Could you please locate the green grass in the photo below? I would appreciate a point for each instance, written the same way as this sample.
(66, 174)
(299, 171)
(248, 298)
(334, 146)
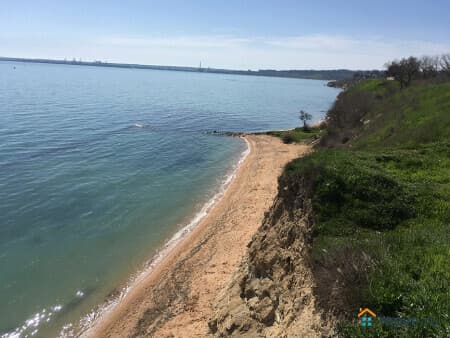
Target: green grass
(298, 135)
(393, 205)
(375, 86)
(416, 115)
(387, 197)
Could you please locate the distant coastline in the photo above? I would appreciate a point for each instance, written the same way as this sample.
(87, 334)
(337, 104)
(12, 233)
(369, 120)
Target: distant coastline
(326, 75)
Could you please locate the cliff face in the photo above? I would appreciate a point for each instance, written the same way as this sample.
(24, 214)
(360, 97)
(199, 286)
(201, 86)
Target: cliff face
(272, 293)
(380, 200)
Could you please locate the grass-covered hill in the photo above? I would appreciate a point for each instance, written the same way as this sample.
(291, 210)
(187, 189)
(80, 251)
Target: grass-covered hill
(380, 192)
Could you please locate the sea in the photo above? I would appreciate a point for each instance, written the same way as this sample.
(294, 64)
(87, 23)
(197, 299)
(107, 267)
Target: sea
(102, 169)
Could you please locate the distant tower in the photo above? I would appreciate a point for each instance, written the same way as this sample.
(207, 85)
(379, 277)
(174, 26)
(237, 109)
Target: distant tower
(200, 67)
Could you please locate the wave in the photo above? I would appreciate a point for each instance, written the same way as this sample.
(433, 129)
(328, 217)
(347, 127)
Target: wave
(32, 325)
(92, 318)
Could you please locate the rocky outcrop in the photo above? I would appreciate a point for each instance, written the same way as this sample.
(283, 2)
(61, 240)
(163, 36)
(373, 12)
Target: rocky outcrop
(272, 293)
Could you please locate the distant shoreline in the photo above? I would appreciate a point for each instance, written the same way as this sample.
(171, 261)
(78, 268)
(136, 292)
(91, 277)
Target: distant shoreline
(322, 75)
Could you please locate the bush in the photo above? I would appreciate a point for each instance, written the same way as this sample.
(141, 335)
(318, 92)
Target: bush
(287, 138)
(353, 191)
(298, 135)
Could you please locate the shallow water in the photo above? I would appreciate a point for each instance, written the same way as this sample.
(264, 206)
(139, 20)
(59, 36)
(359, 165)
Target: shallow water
(100, 166)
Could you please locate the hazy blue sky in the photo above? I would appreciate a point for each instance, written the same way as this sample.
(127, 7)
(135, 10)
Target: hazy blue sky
(228, 33)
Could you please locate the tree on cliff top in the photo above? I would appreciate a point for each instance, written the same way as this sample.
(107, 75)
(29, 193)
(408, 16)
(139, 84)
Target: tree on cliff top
(404, 70)
(304, 117)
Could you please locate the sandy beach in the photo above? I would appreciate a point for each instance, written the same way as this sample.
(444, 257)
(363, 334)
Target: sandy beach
(175, 298)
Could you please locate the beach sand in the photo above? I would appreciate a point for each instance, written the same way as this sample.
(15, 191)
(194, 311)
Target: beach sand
(175, 298)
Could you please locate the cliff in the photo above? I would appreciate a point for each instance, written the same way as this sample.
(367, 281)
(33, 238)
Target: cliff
(272, 294)
(361, 222)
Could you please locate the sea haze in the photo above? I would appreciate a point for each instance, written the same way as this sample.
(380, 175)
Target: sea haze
(99, 167)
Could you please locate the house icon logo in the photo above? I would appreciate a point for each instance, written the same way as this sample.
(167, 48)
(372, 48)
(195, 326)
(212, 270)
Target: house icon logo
(366, 317)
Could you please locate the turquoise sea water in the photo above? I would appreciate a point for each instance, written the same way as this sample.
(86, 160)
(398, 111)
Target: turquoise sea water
(99, 167)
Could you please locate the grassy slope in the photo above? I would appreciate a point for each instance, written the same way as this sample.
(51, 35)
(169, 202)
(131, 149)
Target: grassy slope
(417, 115)
(298, 135)
(386, 196)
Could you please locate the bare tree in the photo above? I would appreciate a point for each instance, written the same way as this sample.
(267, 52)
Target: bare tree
(404, 70)
(394, 69)
(445, 63)
(304, 117)
(411, 66)
(429, 66)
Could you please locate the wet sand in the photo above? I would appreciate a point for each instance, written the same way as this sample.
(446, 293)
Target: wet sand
(175, 298)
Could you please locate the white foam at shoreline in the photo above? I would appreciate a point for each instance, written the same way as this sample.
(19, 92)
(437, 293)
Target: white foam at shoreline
(88, 321)
(31, 326)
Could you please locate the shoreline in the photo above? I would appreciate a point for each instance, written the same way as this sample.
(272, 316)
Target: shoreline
(297, 74)
(177, 265)
(94, 317)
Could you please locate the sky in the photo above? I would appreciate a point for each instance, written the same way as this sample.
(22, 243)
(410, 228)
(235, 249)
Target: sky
(264, 34)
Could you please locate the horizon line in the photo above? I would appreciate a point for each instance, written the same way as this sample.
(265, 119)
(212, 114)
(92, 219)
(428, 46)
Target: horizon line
(100, 63)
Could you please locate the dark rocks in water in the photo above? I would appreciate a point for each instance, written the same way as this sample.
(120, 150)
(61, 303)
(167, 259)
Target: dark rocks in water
(224, 133)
